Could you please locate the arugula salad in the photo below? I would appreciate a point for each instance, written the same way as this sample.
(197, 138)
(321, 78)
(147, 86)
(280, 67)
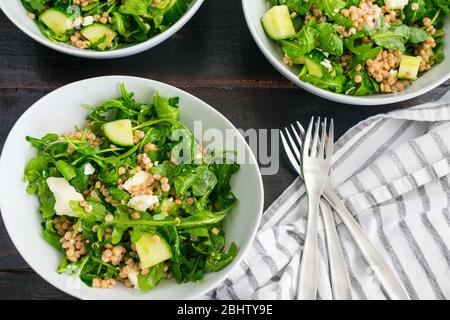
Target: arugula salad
(358, 47)
(104, 24)
(132, 197)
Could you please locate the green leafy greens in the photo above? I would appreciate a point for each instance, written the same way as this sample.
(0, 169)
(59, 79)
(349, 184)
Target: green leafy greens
(188, 217)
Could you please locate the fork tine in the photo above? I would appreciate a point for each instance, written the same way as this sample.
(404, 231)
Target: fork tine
(314, 152)
(297, 138)
(307, 143)
(302, 130)
(323, 139)
(330, 140)
(294, 162)
(294, 148)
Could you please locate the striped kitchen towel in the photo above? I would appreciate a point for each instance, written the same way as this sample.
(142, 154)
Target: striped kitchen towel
(392, 171)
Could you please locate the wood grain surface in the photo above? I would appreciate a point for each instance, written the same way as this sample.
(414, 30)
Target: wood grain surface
(212, 57)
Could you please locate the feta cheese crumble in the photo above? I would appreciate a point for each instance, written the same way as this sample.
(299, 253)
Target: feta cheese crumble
(136, 180)
(88, 169)
(396, 4)
(142, 202)
(64, 193)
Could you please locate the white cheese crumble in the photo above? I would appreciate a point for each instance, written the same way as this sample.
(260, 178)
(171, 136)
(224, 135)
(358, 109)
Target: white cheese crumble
(77, 22)
(88, 169)
(393, 72)
(136, 180)
(396, 4)
(133, 277)
(142, 202)
(87, 21)
(64, 193)
(327, 64)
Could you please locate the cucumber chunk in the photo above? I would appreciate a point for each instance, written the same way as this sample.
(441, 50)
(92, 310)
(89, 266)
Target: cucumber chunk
(409, 67)
(313, 67)
(278, 24)
(119, 132)
(299, 60)
(152, 249)
(95, 32)
(56, 21)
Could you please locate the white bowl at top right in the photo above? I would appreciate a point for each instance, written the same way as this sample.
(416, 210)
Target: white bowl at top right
(255, 9)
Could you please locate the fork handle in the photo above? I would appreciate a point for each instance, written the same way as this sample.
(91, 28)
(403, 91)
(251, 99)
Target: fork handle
(307, 278)
(340, 282)
(391, 285)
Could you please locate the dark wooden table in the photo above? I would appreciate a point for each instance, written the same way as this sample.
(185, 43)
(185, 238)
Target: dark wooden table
(212, 57)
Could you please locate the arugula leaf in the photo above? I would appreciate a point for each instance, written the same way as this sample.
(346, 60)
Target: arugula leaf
(46, 200)
(51, 236)
(329, 40)
(81, 181)
(36, 4)
(302, 44)
(44, 142)
(300, 6)
(135, 7)
(416, 35)
(222, 194)
(363, 52)
(325, 82)
(164, 169)
(36, 171)
(98, 212)
(393, 38)
(412, 16)
(444, 5)
(204, 218)
(216, 263)
(118, 194)
(329, 6)
(151, 279)
(204, 182)
(163, 108)
(118, 230)
(66, 169)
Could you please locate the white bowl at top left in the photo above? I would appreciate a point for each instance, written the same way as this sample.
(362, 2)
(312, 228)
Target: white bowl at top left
(15, 11)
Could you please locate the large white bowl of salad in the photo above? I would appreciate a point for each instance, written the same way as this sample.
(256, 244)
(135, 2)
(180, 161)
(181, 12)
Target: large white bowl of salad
(363, 52)
(122, 188)
(100, 29)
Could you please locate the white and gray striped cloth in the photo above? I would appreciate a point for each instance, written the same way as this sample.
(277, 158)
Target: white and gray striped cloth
(392, 170)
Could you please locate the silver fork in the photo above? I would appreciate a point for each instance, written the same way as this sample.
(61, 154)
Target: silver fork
(340, 282)
(389, 282)
(316, 157)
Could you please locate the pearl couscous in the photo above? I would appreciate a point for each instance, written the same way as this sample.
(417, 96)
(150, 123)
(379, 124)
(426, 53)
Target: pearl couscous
(359, 47)
(130, 209)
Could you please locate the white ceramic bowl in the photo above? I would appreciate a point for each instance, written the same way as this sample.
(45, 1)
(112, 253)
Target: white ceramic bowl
(15, 11)
(59, 112)
(255, 9)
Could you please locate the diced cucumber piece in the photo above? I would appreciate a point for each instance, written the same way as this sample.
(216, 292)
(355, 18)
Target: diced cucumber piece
(299, 60)
(152, 249)
(278, 24)
(313, 67)
(409, 67)
(119, 132)
(95, 32)
(175, 10)
(56, 21)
